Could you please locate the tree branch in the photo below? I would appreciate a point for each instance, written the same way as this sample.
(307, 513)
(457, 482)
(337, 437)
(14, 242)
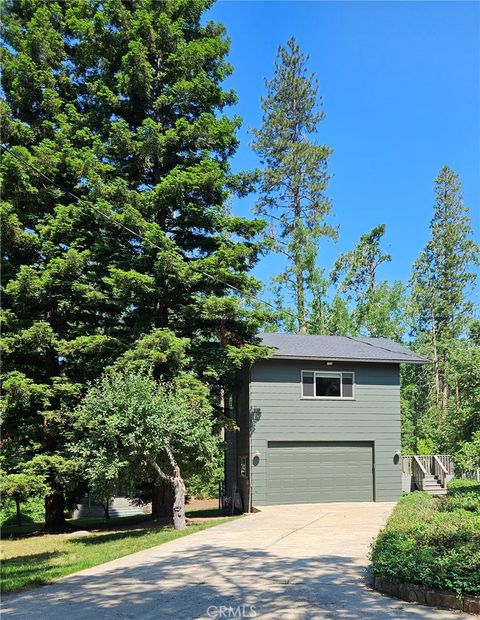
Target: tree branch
(173, 462)
(160, 473)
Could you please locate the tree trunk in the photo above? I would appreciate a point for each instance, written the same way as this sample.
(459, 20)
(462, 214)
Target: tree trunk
(176, 482)
(179, 521)
(298, 263)
(162, 500)
(436, 365)
(106, 509)
(19, 514)
(55, 513)
(302, 323)
(446, 395)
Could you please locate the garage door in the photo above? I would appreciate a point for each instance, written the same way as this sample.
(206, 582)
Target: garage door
(311, 471)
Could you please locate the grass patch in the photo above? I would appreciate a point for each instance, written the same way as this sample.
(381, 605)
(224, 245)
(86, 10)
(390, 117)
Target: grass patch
(37, 560)
(86, 523)
(433, 541)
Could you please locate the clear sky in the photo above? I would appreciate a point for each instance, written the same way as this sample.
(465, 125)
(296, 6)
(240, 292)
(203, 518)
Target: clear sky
(400, 83)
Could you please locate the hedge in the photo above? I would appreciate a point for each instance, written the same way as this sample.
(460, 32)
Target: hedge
(433, 541)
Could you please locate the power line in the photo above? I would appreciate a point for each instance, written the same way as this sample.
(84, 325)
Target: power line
(168, 251)
(376, 346)
(141, 237)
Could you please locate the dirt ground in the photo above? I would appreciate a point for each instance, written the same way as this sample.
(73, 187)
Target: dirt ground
(202, 504)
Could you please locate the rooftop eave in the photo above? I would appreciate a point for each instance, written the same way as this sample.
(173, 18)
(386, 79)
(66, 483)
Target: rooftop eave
(351, 359)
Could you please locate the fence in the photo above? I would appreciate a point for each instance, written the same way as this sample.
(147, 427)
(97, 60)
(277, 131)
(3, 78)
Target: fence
(473, 474)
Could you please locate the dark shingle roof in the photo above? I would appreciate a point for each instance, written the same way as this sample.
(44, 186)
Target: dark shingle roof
(349, 348)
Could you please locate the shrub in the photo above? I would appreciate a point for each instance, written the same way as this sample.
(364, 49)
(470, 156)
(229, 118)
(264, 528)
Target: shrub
(433, 541)
(461, 485)
(462, 495)
(32, 509)
(202, 487)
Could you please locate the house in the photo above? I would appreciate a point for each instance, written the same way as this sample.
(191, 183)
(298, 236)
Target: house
(319, 421)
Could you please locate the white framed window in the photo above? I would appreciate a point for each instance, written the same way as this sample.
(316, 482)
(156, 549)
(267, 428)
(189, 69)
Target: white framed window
(328, 384)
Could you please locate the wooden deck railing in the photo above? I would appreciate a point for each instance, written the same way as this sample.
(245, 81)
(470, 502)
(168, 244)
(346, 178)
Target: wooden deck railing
(421, 465)
(440, 471)
(427, 461)
(419, 472)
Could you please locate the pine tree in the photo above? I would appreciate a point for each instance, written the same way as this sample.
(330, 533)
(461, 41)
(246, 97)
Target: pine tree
(442, 278)
(358, 267)
(294, 177)
(376, 307)
(121, 104)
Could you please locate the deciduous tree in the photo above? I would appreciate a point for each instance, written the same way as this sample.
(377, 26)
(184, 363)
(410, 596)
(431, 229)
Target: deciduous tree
(130, 427)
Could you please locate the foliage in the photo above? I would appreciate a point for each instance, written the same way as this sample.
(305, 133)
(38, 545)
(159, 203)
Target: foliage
(431, 542)
(359, 266)
(124, 107)
(376, 307)
(462, 495)
(32, 562)
(200, 487)
(294, 178)
(131, 258)
(442, 277)
(129, 426)
(22, 486)
(467, 457)
(441, 402)
(32, 511)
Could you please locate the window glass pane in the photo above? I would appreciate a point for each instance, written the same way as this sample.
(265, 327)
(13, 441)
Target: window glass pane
(307, 379)
(327, 385)
(347, 385)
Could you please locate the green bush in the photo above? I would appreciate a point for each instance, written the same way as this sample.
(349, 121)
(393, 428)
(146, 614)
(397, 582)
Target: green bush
(462, 495)
(461, 485)
(200, 488)
(32, 510)
(433, 541)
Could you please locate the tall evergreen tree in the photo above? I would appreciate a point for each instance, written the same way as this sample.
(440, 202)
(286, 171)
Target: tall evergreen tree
(358, 268)
(121, 102)
(294, 177)
(376, 307)
(442, 277)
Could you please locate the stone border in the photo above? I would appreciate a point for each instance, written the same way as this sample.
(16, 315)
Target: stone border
(415, 593)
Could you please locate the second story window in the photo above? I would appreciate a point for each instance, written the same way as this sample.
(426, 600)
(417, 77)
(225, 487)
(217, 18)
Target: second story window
(326, 384)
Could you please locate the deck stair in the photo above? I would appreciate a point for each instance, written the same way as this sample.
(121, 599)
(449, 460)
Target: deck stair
(430, 473)
(433, 486)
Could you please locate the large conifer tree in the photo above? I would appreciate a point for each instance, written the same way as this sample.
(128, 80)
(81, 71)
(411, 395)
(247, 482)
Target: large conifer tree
(294, 178)
(376, 307)
(122, 104)
(442, 278)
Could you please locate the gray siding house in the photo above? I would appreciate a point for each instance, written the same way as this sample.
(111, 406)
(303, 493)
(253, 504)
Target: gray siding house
(319, 421)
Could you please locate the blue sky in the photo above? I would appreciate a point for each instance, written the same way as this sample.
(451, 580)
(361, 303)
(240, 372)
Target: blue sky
(400, 83)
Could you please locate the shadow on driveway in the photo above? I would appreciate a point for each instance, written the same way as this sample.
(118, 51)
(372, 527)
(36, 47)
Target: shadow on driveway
(200, 580)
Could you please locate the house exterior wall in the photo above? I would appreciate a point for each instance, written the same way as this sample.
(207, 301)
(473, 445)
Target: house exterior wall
(278, 413)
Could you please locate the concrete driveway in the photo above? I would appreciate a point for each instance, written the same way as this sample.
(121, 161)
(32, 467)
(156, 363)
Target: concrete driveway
(301, 561)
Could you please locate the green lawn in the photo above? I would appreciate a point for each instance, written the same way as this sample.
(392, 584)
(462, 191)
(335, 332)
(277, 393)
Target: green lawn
(433, 541)
(32, 561)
